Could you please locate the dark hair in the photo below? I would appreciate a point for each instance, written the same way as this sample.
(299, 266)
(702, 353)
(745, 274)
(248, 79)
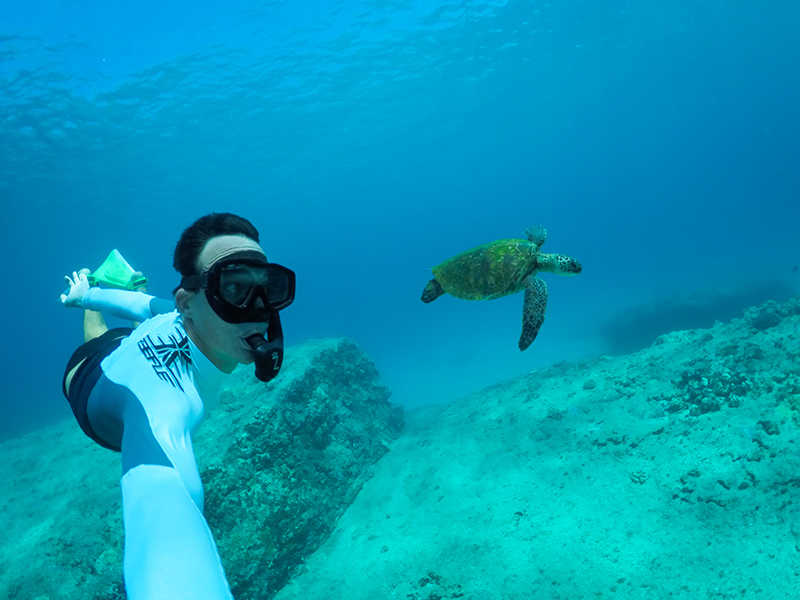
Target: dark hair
(195, 237)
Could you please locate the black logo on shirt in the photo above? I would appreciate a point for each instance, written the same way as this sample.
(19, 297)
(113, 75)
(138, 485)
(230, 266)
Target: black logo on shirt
(170, 358)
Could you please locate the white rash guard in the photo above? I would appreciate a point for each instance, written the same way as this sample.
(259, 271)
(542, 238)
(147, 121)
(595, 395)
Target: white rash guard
(151, 398)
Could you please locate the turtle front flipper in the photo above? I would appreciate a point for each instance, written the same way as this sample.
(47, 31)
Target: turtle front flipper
(432, 291)
(533, 309)
(537, 235)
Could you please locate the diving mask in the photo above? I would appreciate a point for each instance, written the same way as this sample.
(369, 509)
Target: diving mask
(235, 284)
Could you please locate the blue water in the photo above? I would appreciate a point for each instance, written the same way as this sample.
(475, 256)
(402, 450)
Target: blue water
(659, 143)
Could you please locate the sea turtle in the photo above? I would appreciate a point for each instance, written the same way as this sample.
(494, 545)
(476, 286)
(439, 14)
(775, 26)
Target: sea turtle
(501, 268)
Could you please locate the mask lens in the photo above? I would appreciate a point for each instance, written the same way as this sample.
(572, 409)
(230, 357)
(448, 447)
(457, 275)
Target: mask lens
(237, 281)
(278, 290)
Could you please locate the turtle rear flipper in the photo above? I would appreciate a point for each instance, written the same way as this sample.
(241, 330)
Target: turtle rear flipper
(533, 309)
(432, 291)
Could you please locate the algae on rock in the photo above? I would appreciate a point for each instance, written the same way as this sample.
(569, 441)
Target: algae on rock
(304, 445)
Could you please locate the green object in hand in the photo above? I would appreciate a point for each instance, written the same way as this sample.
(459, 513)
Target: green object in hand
(115, 272)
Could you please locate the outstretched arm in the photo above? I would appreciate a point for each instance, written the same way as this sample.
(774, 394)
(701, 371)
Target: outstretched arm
(131, 306)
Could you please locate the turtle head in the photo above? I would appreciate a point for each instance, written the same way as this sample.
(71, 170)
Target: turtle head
(560, 264)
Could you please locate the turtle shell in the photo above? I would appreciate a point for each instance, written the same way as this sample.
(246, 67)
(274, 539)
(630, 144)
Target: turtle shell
(487, 271)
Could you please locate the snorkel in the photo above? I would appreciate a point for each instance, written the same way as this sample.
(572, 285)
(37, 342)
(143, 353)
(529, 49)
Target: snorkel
(268, 352)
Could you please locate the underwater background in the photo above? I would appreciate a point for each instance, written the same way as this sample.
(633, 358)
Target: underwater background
(658, 143)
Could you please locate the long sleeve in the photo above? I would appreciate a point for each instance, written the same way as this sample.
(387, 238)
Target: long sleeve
(131, 306)
(170, 553)
(152, 385)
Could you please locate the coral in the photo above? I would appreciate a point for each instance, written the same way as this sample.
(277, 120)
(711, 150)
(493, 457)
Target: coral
(763, 317)
(434, 587)
(709, 389)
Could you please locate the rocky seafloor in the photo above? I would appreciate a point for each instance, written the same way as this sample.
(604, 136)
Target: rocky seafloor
(670, 473)
(673, 472)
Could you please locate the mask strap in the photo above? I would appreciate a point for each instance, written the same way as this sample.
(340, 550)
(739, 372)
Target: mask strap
(269, 353)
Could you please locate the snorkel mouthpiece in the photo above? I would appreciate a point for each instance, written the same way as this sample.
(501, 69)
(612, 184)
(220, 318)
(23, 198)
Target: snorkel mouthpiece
(269, 356)
(269, 353)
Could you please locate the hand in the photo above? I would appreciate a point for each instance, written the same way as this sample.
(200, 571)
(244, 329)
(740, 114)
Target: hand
(78, 286)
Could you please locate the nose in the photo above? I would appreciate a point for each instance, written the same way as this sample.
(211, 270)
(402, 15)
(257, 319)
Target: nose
(260, 303)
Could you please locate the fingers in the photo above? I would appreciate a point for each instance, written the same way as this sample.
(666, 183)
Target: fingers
(71, 285)
(75, 279)
(78, 284)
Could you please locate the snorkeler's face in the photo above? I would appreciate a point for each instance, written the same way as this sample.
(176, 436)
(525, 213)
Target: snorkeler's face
(222, 342)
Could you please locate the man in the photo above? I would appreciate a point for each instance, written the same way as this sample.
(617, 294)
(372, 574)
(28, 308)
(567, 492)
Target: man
(144, 392)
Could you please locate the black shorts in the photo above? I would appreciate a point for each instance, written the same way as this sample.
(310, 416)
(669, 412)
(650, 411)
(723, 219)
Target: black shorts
(87, 375)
